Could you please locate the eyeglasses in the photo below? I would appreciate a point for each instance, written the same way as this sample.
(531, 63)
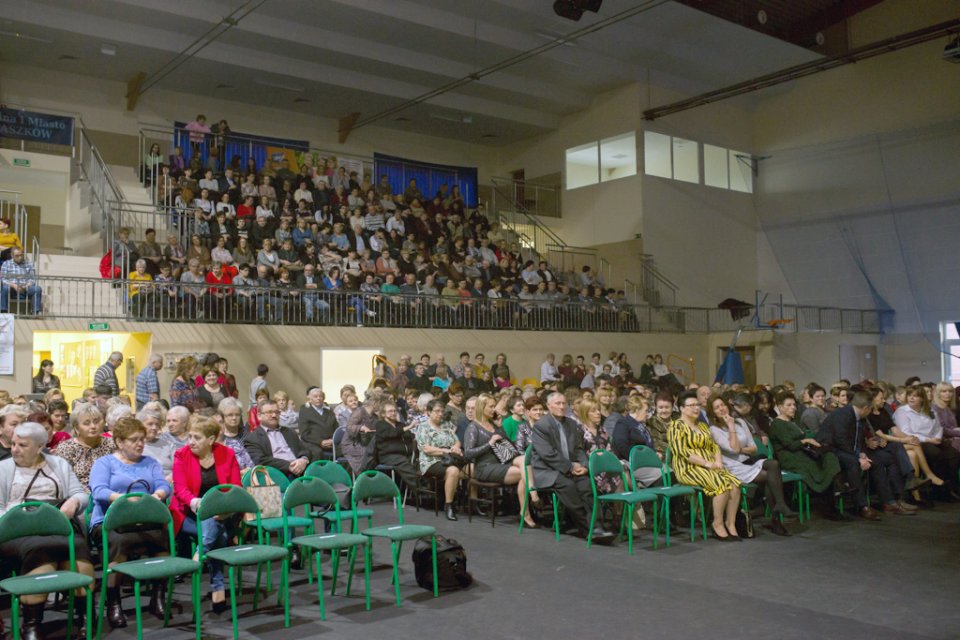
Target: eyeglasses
(696, 405)
(269, 413)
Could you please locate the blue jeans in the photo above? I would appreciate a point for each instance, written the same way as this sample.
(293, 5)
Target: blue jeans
(31, 292)
(313, 302)
(214, 537)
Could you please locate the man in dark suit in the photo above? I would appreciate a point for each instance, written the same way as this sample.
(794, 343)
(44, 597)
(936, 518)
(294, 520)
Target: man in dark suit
(848, 434)
(560, 463)
(274, 446)
(317, 424)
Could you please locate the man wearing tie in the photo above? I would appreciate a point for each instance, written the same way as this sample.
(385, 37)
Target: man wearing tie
(847, 433)
(560, 464)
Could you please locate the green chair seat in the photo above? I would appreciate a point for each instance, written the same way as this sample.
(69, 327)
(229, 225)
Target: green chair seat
(401, 531)
(147, 569)
(45, 583)
(329, 541)
(629, 497)
(676, 491)
(246, 554)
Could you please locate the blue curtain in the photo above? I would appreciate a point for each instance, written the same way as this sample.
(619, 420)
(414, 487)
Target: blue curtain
(244, 145)
(429, 177)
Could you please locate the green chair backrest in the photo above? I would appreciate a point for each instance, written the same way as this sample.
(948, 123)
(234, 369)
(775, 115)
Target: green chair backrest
(642, 456)
(278, 477)
(602, 461)
(375, 484)
(33, 519)
(667, 468)
(226, 500)
(135, 509)
(308, 490)
(765, 450)
(330, 472)
(37, 519)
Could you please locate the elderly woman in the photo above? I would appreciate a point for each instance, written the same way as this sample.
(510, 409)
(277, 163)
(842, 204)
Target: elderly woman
(798, 451)
(740, 458)
(697, 461)
(346, 408)
(629, 431)
(88, 444)
(391, 442)
(234, 431)
(30, 475)
(128, 471)
(440, 453)
(176, 424)
(197, 468)
(155, 445)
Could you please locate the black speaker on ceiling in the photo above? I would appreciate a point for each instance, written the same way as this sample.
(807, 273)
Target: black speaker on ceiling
(573, 9)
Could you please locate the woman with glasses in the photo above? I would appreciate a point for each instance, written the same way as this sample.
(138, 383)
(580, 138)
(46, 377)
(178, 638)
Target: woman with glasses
(440, 453)
(697, 461)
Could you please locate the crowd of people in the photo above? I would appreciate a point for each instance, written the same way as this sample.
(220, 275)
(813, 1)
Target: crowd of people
(326, 241)
(431, 420)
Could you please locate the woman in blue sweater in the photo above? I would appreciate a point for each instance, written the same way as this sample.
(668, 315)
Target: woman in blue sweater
(128, 471)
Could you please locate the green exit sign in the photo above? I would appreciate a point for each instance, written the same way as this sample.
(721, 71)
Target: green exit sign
(21, 162)
(98, 326)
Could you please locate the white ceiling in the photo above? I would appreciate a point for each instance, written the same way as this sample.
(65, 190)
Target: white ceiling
(372, 55)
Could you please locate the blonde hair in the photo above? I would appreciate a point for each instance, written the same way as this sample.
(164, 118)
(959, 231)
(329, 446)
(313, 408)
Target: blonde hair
(481, 404)
(583, 409)
(945, 386)
(185, 367)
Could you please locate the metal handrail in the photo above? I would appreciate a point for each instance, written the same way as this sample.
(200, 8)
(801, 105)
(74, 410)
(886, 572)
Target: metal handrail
(72, 297)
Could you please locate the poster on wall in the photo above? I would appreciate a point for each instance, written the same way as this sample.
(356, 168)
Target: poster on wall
(6, 344)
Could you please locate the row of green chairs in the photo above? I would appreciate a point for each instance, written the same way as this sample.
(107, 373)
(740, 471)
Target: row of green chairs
(224, 501)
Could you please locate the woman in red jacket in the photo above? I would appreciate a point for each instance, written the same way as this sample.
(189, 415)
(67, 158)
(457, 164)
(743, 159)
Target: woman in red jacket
(197, 468)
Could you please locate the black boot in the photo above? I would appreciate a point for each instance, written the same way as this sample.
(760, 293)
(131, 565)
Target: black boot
(114, 609)
(451, 513)
(32, 615)
(158, 599)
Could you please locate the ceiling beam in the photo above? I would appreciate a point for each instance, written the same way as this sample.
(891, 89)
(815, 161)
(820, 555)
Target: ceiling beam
(871, 50)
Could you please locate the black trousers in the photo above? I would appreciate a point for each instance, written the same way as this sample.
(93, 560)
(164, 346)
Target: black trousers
(885, 475)
(576, 495)
(401, 466)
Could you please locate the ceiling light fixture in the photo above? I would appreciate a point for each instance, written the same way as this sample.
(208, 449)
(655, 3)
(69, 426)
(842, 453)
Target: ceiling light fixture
(461, 119)
(108, 50)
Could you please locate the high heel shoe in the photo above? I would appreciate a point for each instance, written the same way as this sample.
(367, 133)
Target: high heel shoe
(719, 537)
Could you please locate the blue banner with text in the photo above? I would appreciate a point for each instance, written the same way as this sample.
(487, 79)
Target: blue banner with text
(38, 127)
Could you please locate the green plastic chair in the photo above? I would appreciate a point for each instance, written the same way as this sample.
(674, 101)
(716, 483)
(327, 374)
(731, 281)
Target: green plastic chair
(273, 525)
(311, 491)
(138, 509)
(602, 462)
(799, 490)
(641, 457)
(529, 488)
(333, 474)
(41, 519)
(374, 484)
(229, 500)
(696, 499)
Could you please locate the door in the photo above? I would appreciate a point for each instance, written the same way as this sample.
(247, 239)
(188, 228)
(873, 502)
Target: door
(858, 362)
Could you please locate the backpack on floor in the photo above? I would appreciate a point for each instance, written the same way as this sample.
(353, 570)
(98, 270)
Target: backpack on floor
(451, 565)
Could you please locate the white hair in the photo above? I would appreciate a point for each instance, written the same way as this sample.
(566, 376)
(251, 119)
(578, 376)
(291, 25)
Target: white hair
(32, 431)
(116, 413)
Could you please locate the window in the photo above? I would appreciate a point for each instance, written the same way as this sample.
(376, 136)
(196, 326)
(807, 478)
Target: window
(951, 352)
(656, 155)
(686, 160)
(715, 172)
(618, 157)
(582, 166)
(741, 171)
(340, 367)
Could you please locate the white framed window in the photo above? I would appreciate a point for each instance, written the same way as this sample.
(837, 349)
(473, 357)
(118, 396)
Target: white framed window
(339, 367)
(618, 157)
(657, 156)
(583, 165)
(715, 167)
(686, 160)
(950, 340)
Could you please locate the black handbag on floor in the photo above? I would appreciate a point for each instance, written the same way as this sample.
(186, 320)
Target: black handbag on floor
(744, 524)
(451, 565)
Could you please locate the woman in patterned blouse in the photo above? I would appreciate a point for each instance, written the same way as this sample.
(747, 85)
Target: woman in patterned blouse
(183, 389)
(437, 441)
(88, 444)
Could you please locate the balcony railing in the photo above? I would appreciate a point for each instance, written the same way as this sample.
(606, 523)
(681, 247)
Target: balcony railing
(98, 299)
